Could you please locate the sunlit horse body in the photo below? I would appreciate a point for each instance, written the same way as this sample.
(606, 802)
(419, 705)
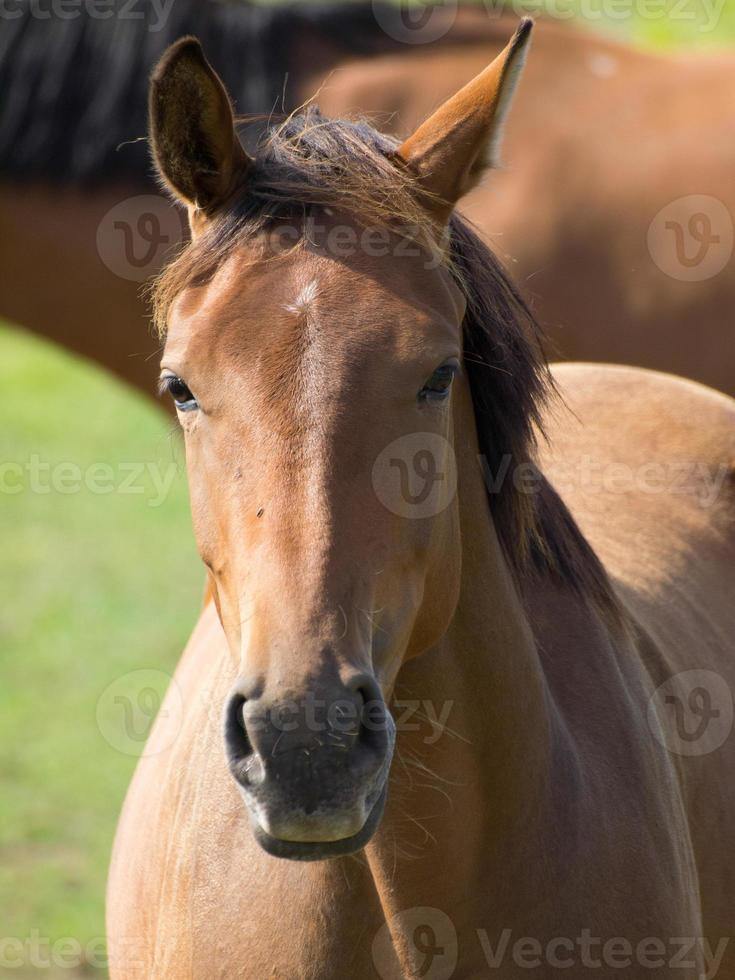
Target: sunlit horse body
(571, 214)
(552, 803)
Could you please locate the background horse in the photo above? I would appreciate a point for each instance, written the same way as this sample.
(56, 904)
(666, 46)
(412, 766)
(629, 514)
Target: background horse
(72, 148)
(557, 801)
(626, 250)
(618, 227)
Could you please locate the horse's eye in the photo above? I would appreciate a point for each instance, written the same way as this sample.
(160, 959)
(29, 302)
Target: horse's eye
(440, 383)
(179, 391)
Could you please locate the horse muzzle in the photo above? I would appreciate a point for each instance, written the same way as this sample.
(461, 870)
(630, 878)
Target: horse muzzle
(312, 767)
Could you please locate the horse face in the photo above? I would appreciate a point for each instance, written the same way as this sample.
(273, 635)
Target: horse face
(314, 370)
(315, 396)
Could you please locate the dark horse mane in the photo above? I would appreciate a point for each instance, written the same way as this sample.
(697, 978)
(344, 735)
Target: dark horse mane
(309, 162)
(74, 88)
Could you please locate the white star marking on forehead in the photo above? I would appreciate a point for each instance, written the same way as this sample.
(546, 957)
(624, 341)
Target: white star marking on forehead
(305, 298)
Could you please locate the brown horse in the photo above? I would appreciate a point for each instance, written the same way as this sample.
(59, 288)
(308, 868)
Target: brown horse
(552, 784)
(626, 249)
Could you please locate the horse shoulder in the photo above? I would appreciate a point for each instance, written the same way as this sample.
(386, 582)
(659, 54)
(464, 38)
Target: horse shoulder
(645, 462)
(643, 459)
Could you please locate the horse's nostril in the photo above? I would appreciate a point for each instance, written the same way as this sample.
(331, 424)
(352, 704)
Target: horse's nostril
(375, 720)
(366, 687)
(236, 738)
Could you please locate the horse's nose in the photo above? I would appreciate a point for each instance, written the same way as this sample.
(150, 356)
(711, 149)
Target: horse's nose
(311, 764)
(267, 735)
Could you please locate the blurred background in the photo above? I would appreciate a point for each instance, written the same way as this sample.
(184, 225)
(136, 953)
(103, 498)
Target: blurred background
(100, 587)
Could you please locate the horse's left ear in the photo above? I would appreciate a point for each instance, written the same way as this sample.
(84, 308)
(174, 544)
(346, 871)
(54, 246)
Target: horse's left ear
(192, 131)
(451, 150)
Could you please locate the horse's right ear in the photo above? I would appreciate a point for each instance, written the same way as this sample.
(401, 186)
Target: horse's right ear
(192, 131)
(451, 150)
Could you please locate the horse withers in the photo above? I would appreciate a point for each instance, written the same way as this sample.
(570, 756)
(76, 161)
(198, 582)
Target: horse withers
(360, 388)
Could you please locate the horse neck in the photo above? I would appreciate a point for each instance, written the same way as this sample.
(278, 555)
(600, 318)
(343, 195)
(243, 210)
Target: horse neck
(465, 802)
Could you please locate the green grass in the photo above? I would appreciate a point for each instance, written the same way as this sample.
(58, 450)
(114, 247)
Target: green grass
(649, 23)
(683, 24)
(94, 586)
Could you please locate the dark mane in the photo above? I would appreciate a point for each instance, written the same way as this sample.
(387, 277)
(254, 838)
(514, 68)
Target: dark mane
(511, 385)
(74, 91)
(310, 162)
